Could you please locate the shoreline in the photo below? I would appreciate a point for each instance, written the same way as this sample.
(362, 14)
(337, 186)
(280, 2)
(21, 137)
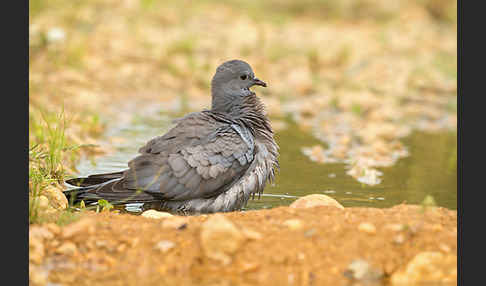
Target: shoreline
(279, 246)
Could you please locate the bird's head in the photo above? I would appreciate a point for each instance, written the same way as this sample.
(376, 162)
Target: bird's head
(231, 82)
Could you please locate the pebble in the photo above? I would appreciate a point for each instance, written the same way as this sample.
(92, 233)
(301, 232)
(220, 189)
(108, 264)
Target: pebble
(43, 202)
(36, 250)
(248, 267)
(54, 243)
(164, 245)
(360, 269)
(155, 214)
(84, 225)
(175, 223)
(40, 232)
(37, 277)
(220, 238)
(395, 227)
(399, 239)
(437, 227)
(293, 224)
(56, 35)
(427, 267)
(310, 232)
(444, 248)
(314, 200)
(67, 248)
(121, 247)
(57, 199)
(367, 227)
(54, 228)
(251, 234)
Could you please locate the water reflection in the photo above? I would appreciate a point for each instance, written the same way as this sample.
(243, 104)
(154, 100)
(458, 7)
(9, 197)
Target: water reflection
(431, 169)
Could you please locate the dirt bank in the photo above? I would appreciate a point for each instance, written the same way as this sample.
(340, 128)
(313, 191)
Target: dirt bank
(280, 246)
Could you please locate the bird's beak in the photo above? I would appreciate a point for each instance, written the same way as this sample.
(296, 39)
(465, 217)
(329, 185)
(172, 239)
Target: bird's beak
(256, 81)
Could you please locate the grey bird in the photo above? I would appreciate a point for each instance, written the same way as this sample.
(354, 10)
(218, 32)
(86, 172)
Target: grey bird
(210, 161)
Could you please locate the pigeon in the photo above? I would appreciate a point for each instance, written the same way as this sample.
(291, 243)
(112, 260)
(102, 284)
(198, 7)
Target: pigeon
(210, 161)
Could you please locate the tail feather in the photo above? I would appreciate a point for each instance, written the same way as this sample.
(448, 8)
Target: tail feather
(93, 180)
(107, 190)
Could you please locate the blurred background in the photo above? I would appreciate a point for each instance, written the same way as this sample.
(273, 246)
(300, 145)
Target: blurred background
(347, 81)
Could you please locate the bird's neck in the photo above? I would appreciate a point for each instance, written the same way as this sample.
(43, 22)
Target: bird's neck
(248, 110)
(223, 101)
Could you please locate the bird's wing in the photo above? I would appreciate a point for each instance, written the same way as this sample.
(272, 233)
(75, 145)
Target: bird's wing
(200, 157)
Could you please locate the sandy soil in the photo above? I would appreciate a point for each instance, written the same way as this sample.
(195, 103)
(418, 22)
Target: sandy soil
(122, 249)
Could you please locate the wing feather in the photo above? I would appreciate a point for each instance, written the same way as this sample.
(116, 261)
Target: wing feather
(200, 157)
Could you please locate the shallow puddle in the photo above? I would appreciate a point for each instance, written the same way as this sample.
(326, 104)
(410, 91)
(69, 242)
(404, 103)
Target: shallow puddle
(429, 170)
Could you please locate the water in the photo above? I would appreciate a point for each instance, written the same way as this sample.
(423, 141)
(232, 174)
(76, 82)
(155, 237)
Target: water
(431, 169)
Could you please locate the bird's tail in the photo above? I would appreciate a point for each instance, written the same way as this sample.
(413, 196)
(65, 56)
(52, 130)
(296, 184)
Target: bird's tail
(96, 179)
(104, 187)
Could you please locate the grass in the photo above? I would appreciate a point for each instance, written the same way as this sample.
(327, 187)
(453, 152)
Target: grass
(51, 155)
(46, 145)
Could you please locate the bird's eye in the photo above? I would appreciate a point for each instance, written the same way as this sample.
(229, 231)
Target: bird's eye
(243, 77)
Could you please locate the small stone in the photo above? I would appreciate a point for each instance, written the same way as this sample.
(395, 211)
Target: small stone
(360, 269)
(395, 227)
(293, 224)
(121, 247)
(54, 228)
(314, 200)
(155, 214)
(444, 248)
(399, 239)
(291, 278)
(164, 245)
(43, 202)
(85, 225)
(248, 267)
(437, 227)
(367, 227)
(278, 259)
(57, 199)
(427, 267)
(251, 234)
(55, 35)
(54, 243)
(37, 276)
(134, 242)
(36, 250)
(220, 238)
(67, 248)
(40, 232)
(310, 232)
(175, 222)
(101, 244)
